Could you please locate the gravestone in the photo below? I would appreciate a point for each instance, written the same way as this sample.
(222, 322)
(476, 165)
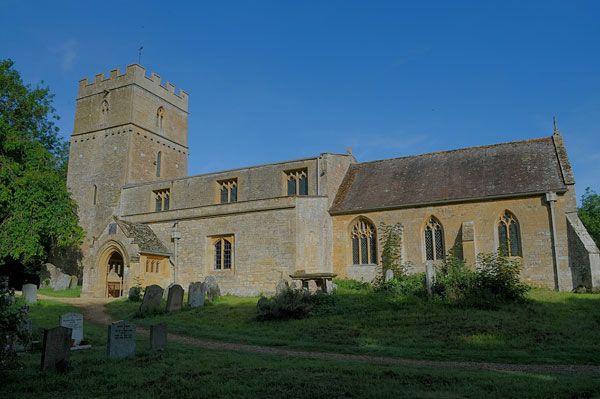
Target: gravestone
(429, 277)
(196, 295)
(166, 291)
(328, 286)
(212, 288)
(389, 275)
(175, 298)
(152, 297)
(74, 281)
(56, 349)
(62, 282)
(24, 329)
(30, 293)
(312, 286)
(121, 340)
(281, 287)
(74, 321)
(158, 337)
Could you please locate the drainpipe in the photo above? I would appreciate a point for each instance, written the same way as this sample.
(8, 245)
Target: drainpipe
(175, 236)
(551, 200)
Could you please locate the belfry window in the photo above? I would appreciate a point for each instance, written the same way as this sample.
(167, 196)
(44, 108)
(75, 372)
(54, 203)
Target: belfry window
(161, 200)
(509, 235)
(297, 182)
(158, 163)
(160, 116)
(104, 109)
(223, 251)
(364, 243)
(434, 240)
(228, 191)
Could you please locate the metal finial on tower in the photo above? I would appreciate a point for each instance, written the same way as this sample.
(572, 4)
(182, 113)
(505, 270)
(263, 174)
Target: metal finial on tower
(556, 131)
(140, 54)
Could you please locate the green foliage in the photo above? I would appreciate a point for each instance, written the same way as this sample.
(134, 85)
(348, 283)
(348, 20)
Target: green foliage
(290, 303)
(589, 213)
(454, 280)
(12, 317)
(135, 294)
(390, 239)
(36, 211)
(405, 285)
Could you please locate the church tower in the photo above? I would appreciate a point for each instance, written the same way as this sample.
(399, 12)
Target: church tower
(129, 128)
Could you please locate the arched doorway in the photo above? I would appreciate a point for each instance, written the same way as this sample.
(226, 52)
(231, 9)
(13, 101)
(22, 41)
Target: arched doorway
(115, 270)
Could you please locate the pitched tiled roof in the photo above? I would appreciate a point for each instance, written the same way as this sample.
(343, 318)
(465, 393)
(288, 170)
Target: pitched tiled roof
(144, 237)
(508, 169)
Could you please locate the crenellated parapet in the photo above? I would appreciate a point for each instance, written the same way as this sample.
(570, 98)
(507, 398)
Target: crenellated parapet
(134, 74)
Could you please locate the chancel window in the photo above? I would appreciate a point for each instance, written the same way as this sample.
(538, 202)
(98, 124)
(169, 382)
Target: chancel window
(297, 182)
(161, 200)
(223, 251)
(364, 243)
(509, 235)
(228, 191)
(434, 240)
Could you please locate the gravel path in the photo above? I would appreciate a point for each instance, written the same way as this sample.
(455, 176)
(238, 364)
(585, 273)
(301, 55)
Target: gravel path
(94, 311)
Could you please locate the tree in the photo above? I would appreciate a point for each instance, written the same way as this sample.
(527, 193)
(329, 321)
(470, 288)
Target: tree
(589, 213)
(37, 213)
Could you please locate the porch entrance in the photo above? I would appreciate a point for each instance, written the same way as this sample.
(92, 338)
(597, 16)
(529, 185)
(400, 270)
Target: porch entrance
(114, 275)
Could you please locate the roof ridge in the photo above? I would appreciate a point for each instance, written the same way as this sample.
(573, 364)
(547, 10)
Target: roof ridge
(538, 139)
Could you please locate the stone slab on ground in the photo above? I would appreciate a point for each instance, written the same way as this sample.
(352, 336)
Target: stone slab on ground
(121, 340)
(56, 349)
(175, 298)
(74, 321)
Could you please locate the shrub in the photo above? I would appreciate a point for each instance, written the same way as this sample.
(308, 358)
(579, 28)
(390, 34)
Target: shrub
(135, 294)
(499, 276)
(290, 303)
(12, 318)
(408, 285)
(454, 280)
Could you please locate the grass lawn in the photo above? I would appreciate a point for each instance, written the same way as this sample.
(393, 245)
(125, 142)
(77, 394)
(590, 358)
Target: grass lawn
(68, 293)
(186, 372)
(551, 328)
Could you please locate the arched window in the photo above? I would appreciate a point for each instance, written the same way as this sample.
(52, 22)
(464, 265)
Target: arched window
(158, 161)
(434, 240)
(104, 109)
(95, 195)
(364, 243)
(223, 253)
(160, 116)
(509, 235)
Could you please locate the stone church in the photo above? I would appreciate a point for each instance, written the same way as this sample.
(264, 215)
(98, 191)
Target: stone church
(148, 222)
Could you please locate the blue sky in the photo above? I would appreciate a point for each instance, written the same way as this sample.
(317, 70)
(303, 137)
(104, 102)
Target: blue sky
(277, 80)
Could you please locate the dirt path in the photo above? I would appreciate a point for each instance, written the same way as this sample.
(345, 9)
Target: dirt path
(94, 311)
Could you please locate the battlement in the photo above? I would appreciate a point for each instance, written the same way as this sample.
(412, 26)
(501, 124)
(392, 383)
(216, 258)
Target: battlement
(134, 74)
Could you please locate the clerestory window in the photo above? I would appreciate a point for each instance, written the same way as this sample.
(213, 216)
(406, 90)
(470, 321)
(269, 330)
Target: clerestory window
(162, 200)
(228, 190)
(297, 182)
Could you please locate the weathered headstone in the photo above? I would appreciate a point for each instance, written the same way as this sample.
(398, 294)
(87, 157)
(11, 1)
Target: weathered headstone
(212, 288)
(429, 277)
(74, 281)
(175, 298)
(389, 275)
(121, 339)
(74, 321)
(281, 287)
(328, 286)
(196, 295)
(62, 282)
(158, 337)
(56, 349)
(152, 297)
(30, 293)
(166, 291)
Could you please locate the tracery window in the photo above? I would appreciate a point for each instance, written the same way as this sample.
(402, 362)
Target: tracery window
(160, 116)
(228, 190)
(364, 243)
(509, 235)
(434, 240)
(223, 247)
(297, 182)
(161, 200)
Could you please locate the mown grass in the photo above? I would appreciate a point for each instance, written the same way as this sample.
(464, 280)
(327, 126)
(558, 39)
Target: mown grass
(549, 328)
(68, 293)
(187, 372)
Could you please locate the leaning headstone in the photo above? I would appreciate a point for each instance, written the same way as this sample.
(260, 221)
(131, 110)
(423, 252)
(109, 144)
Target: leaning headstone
(30, 293)
(56, 349)
(152, 297)
(121, 339)
(212, 288)
(281, 287)
(74, 281)
(175, 298)
(158, 337)
(196, 295)
(74, 321)
(389, 275)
